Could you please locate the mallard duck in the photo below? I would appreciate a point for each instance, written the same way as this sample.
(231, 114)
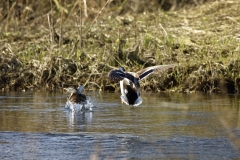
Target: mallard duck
(77, 101)
(129, 82)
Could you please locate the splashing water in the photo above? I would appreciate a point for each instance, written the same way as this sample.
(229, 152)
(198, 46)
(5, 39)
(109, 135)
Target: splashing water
(80, 107)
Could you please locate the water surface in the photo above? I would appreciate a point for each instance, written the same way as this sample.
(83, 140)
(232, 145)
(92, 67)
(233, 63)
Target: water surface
(35, 125)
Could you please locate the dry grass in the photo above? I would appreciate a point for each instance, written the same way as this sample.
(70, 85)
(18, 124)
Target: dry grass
(67, 44)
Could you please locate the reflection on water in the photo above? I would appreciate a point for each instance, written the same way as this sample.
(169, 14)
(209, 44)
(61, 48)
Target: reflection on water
(75, 119)
(166, 125)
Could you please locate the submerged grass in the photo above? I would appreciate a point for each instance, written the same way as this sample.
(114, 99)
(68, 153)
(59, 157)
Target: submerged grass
(59, 47)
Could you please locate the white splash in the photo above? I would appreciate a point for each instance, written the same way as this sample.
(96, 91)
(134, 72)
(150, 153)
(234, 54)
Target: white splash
(87, 105)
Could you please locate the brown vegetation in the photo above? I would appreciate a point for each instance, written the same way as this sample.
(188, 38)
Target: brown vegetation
(55, 44)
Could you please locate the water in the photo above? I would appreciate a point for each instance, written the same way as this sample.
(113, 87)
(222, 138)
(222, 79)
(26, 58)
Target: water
(35, 125)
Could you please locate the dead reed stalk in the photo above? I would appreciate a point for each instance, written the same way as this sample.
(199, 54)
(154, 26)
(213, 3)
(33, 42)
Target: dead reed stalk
(109, 1)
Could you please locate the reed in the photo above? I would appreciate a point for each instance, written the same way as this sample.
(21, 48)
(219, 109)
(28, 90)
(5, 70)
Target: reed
(69, 43)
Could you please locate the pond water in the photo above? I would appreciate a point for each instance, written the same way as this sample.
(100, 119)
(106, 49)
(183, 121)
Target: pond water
(35, 125)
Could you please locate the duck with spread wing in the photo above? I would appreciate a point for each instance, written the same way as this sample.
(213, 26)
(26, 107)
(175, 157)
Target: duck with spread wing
(130, 82)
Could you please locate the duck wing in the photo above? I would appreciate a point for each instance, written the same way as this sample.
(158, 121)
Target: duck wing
(118, 75)
(153, 69)
(70, 90)
(80, 89)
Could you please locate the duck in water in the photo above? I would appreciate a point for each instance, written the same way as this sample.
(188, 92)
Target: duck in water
(77, 101)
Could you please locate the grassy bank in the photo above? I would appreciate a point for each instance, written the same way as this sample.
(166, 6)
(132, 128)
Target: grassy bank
(59, 45)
